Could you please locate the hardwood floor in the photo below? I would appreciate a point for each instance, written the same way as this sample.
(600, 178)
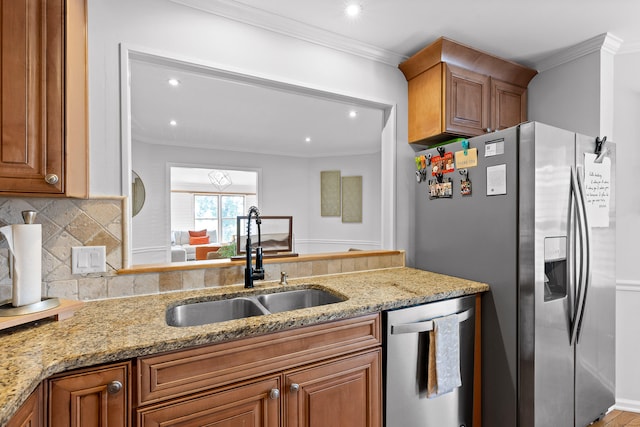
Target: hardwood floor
(618, 419)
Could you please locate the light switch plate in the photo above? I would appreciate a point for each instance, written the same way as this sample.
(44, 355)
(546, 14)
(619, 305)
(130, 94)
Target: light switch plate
(88, 259)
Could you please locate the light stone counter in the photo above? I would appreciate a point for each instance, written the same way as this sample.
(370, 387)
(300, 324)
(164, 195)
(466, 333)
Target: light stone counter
(117, 329)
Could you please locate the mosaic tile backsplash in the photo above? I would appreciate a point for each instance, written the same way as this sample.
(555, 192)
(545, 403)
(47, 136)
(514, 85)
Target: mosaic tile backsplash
(99, 222)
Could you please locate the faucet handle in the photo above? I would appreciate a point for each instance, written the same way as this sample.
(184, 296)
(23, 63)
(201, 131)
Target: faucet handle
(283, 278)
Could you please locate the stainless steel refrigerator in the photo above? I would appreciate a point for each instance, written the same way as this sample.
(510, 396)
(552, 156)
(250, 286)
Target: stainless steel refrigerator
(530, 210)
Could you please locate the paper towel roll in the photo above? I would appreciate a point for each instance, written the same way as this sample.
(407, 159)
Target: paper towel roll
(25, 244)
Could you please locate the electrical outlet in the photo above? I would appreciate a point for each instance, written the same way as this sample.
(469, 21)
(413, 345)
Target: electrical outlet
(88, 259)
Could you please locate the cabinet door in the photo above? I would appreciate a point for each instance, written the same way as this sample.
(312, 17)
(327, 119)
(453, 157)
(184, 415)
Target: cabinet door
(31, 102)
(509, 104)
(342, 393)
(254, 404)
(467, 101)
(30, 413)
(91, 398)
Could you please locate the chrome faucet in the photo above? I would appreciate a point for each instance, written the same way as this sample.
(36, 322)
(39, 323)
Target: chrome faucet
(250, 273)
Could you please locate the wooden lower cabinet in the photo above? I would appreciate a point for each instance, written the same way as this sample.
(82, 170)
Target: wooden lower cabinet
(31, 412)
(325, 375)
(255, 404)
(342, 393)
(95, 397)
(315, 376)
(345, 392)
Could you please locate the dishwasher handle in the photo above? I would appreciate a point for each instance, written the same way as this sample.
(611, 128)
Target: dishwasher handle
(425, 325)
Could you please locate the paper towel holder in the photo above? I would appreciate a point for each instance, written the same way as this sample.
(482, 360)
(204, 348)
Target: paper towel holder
(8, 310)
(6, 307)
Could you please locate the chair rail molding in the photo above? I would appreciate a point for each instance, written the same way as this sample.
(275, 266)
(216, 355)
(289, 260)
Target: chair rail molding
(628, 285)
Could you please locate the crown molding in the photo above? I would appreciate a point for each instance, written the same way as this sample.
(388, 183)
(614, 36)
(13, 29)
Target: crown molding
(628, 285)
(603, 42)
(289, 27)
(627, 48)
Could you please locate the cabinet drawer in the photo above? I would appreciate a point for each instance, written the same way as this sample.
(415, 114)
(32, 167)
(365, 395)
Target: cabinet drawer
(186, 371)
(251, 404)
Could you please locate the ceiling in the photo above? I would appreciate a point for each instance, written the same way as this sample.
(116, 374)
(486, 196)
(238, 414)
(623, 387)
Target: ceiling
(211, 111)
(386, 31)
(522, 31)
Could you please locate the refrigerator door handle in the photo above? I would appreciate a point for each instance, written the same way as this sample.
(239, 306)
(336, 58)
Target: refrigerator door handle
(571, 258)
(585, 255)
(423, 326)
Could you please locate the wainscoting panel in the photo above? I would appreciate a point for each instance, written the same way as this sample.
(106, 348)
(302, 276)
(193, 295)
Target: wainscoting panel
(628, 345)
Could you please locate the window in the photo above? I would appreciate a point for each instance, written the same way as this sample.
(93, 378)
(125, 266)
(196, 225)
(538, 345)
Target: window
(197, 204)
(216, 212)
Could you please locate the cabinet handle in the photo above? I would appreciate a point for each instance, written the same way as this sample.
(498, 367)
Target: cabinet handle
(113, 387)
(51, 178)
(274, 393)
(294, 387)
(487, 130)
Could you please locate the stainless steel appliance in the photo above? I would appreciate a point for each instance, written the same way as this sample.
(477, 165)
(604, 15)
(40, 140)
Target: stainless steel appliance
(539, 227)
(405, 366)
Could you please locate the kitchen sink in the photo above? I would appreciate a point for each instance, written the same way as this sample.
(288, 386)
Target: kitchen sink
(293, 300)
(203, 313)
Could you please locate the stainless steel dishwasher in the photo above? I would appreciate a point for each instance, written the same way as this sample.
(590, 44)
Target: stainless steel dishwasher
(406, 344)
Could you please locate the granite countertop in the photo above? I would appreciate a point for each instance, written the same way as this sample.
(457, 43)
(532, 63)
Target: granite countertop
(117, 329)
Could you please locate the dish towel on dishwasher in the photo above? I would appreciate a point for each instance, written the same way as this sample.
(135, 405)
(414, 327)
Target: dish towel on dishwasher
(443, 367)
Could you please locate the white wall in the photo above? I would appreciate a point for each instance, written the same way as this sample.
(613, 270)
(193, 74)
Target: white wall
(288, 186)
(330, 234)
(627, 136)
(574, 88)
(568, 96)
(282, 189)
(181, 31)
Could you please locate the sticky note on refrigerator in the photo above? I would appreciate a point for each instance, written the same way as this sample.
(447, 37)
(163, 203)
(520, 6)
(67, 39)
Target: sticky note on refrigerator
(468, 160)
(497, 180)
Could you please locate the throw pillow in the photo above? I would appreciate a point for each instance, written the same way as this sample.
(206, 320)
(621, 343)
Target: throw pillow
(198, 233)
(198, 240)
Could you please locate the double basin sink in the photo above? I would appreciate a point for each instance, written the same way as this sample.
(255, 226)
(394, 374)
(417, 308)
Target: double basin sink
(206, 312)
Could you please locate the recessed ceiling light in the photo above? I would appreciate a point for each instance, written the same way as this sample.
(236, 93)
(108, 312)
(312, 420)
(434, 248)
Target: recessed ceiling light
(173, 82)
(173, 123)
(307, 139)
(353, 114)
(352, 10)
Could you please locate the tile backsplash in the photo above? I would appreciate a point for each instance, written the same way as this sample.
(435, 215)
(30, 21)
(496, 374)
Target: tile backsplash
(99, 222)
(66, 223)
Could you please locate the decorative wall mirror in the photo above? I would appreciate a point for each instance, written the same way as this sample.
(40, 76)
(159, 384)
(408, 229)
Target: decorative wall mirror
(137, 194)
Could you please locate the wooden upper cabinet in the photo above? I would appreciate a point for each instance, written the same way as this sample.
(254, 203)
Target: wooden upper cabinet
(43, 113)
(508, 103)
(457, 91)
(467, 101)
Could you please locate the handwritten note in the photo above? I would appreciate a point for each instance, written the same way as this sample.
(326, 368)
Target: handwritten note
(597, 185)
(468, 160)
